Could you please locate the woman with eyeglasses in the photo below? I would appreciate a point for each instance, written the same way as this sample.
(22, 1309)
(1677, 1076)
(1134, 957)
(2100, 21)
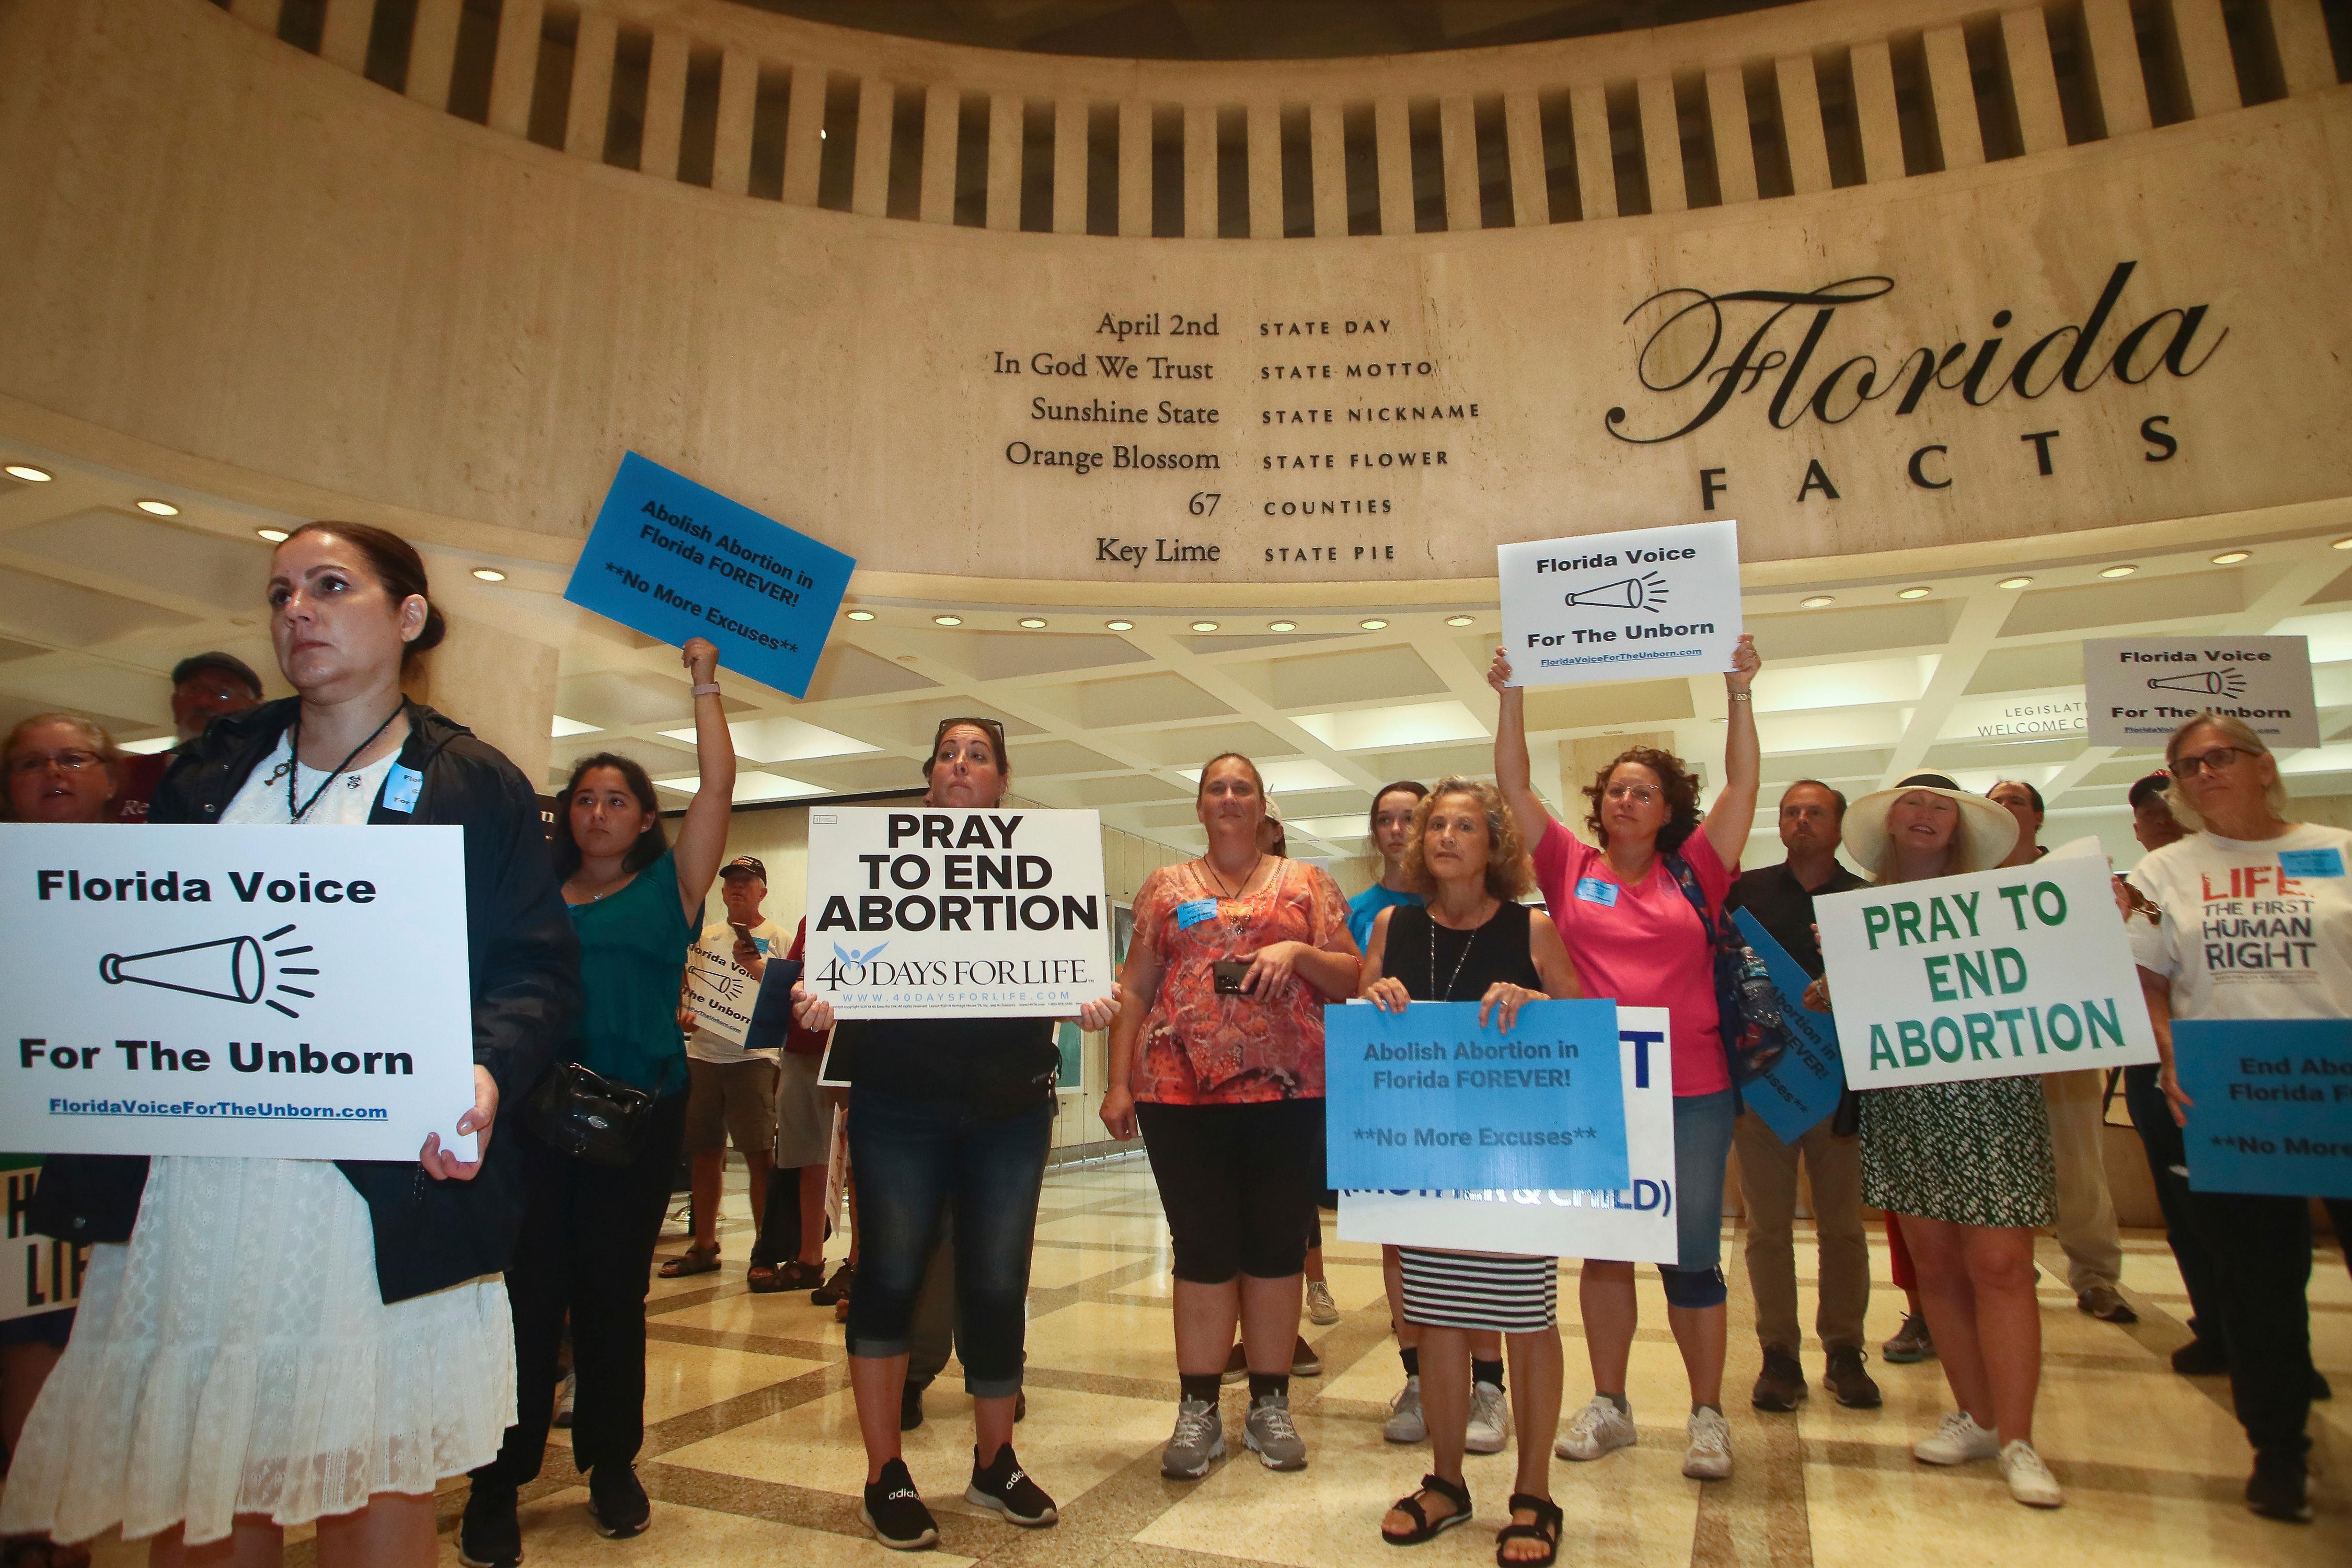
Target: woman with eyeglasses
(2256, 925)
(949, 1119)
(1629, 909)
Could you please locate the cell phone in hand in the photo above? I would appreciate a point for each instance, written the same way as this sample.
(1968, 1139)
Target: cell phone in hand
(742, 932)
(1227, 974)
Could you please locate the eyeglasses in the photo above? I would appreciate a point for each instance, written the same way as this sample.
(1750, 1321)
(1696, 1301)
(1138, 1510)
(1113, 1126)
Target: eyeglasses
(31, 762)
(2214, 760)
(1640, 794)
(989, 727)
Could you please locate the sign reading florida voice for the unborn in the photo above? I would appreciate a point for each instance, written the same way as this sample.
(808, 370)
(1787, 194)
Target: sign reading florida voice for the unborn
(928, 911)
(1622, 606)
(238, 991)
(1995, 974)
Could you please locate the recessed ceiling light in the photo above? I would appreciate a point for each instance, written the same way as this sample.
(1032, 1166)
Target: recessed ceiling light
(1121, 625)
(2342, 544)
(2117, 571)
(2230, 557)
(1460, 620)
(1204, 626)
(2013, 582)
(489, 574)
(29, 474)
(861, 614)
(947, 620)
(1815, 602)
(1374, 624)
(275, 535)
(1914, 592)
(1282, 625)
(1032, 623)
(157, 508)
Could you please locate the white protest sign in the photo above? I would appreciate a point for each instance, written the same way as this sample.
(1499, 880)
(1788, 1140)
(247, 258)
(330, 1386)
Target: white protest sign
(38, 1274)
(1622, 606)
(941, 911)
(276, 991)
(2140, 689)
(721, 991)
(2000, 974)
(1635, 1225)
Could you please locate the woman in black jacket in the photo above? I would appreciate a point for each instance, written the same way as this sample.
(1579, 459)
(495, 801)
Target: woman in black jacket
(268, 1342)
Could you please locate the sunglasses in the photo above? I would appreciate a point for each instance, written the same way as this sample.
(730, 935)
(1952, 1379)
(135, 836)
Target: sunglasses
(989, 727)
(2214, 760)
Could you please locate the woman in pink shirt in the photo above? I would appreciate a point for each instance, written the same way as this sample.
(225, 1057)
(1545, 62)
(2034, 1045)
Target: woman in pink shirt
(1633, 934)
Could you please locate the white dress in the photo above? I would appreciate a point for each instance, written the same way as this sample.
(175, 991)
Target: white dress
(235, 1355)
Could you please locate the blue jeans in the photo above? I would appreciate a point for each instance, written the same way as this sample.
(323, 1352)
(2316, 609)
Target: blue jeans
(1703, 1124)
(911, 1159)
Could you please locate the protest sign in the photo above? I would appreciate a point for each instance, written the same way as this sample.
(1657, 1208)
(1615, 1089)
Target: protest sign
(2273, 1104)
(2015, 970)
(1634, 1222)
(2140, 689)
(38, 1273)
(238, 991)
(1427, 1097)
(722, 993)
(673, 560)
(1803, 1085)
(938, 911)
(1622, 606)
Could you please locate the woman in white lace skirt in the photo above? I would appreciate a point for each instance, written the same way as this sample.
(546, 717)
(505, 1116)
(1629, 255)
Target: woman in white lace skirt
(268, 1342)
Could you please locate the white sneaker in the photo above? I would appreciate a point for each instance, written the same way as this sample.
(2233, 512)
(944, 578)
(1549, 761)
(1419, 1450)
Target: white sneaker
(2030, 1480)
(1709, 1455)
(1487, 1413)
(564, 1393)
(1321, 1308)
(1406, 1423)
(1599, 1428)
(1956, 1442)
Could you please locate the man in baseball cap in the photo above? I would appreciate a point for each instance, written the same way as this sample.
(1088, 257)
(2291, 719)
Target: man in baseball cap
(204, 687)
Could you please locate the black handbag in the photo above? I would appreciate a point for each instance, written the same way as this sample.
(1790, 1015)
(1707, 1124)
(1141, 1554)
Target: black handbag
(589, 1117)
(1755, 1034)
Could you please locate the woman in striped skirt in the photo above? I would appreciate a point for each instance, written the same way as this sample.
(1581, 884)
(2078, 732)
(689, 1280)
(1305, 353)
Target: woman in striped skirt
(1475, 939)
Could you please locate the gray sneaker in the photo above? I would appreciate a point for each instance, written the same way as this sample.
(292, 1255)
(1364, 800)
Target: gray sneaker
(1271, 1435)
(1406, 1423)
(1199, 1441)
(1488, 1414)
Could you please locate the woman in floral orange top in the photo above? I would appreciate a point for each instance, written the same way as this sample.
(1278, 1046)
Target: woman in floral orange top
(1217, 1056)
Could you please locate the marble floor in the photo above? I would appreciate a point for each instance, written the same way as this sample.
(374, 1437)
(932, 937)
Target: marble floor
(751, 1446)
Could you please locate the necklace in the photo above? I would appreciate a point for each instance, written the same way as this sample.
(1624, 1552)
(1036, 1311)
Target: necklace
(1247, 877)
(1448, 994)
(294, 760)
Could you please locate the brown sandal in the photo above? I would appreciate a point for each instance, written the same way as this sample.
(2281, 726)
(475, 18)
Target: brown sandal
(693, 1260)
(1426, 1528)
(1545, 1529)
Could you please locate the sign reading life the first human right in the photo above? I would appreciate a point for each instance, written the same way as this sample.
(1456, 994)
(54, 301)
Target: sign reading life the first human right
(234, 990)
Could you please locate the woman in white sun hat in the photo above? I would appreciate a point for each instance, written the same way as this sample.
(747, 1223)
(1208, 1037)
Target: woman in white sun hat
(1966, 1166)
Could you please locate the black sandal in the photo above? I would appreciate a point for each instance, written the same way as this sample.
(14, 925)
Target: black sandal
(1423, 1530)
(1545, 1529)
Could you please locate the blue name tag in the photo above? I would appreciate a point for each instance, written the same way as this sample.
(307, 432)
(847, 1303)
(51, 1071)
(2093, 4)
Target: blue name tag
(1593, 890)
(402, 785)
(1193, 911)
(761, 943)
(2312, 862)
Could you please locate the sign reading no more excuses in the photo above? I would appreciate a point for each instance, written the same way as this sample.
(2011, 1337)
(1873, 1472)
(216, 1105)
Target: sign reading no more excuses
(2015, 970)
(1622, 606)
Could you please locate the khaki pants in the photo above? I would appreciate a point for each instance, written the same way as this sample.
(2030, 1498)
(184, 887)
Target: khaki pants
(2087, 1212)
(1767, 1177)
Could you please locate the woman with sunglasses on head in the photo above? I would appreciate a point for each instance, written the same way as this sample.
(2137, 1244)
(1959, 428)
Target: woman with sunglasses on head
(949, 1119)
(635, 902)
(263, 1342)
(1629, 912)
(1217, 1057)
(2243, 863)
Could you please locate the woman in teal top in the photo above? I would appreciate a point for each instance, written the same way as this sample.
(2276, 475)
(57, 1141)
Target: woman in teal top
(588, 1233)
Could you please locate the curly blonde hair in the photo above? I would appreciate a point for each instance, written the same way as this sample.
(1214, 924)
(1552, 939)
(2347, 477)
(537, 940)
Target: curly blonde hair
(1510, 874)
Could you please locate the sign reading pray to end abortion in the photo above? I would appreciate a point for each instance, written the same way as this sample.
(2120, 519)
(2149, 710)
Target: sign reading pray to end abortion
(1622, 606)
(238, 991)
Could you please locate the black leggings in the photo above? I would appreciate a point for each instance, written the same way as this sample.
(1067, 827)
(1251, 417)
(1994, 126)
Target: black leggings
(1238, 1184)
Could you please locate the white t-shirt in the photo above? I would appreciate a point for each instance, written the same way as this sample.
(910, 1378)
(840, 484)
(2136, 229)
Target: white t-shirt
(2255, 928)
(703, 1045)
(347, 801)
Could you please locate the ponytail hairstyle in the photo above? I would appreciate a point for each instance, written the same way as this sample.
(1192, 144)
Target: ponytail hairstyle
(565, 850)
(398, 569)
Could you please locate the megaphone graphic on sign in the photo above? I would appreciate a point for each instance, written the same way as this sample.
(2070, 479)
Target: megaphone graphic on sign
(228, 968)
(1646, 592)
(2206, 682)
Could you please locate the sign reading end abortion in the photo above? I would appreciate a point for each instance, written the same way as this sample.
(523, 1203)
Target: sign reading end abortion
(2015, 970)
(237, 991)
(928, 910)
(673, 560)
(1426, 1099)
(1622, 606)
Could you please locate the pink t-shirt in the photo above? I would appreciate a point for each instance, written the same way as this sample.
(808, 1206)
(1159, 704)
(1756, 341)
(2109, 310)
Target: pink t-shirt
(1645, 944)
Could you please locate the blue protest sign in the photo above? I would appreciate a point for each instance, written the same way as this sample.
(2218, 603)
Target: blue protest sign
(673, 560)
(1427, 1099)
(1803, 1085)
(2273, 1110)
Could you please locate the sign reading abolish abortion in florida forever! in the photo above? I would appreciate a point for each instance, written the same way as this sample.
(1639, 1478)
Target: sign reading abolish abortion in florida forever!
(2020, 969)
(238, 991)
(931, 910)
(1622, 606)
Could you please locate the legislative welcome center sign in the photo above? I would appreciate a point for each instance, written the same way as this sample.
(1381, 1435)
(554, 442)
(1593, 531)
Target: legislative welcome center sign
(929, 911)
(240, 991)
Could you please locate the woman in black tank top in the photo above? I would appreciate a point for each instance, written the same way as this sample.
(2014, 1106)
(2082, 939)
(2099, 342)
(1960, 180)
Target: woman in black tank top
(1472, 940)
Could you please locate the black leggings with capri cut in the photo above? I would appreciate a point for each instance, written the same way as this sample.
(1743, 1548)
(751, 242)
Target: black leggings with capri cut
(1238, 1183)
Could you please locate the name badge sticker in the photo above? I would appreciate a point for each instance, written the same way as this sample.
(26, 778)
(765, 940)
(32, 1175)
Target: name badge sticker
(1593, 890)
(1193, 911)
(2312, 862)
(401, 785)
